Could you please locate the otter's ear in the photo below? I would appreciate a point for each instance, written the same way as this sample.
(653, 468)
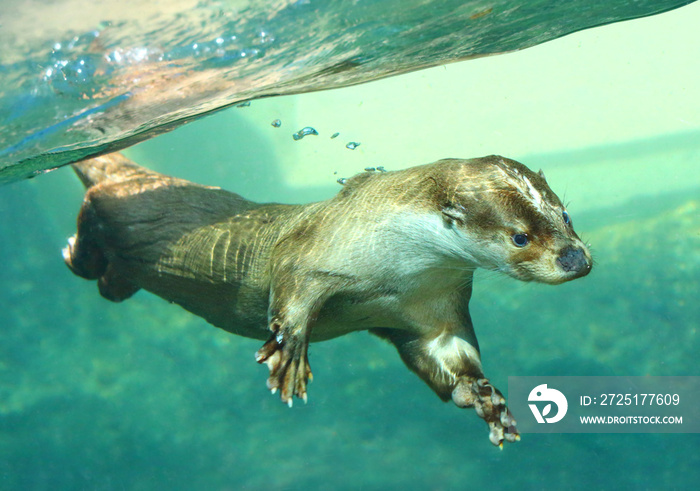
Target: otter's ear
(541, 173)
(453, 212)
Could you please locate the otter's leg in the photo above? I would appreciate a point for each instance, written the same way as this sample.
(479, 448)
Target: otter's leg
(451, 366)
(294, 307)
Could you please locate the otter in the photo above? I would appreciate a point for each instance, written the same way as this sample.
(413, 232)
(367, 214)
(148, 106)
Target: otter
(393, 253)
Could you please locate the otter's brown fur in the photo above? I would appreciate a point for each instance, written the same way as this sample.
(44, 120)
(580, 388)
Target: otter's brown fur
(392, 252)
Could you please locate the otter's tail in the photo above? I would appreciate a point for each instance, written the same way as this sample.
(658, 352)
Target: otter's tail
(112, 168)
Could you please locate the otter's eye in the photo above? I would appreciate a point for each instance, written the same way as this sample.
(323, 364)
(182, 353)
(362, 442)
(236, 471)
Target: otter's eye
(565, 216)
(520, 240)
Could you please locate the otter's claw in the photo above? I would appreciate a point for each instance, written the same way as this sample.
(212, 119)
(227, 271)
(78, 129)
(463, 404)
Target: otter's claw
(490, 405)
(286, 358)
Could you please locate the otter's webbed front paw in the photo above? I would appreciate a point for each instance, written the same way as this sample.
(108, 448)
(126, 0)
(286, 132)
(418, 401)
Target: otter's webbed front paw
(490, 405)
(285, 354)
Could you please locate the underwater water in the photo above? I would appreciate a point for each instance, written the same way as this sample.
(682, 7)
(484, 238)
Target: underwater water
(143, 395)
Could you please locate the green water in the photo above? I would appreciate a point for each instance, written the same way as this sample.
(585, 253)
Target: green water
(143, 395)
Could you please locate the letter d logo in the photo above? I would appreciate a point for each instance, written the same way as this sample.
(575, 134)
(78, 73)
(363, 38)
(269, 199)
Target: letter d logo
(542, 394)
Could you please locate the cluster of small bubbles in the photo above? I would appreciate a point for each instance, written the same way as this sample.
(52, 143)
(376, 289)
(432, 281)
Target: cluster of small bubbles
(76, 77)
(263, 37)
(308, 130)
(71, 68)
(222, 50)
(82, 65)
(276, 123)
(133, 56)
(352, 145)
(76, 68)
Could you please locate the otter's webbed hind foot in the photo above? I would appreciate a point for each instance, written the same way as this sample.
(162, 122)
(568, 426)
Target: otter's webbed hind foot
(286, 356)
(490, 405)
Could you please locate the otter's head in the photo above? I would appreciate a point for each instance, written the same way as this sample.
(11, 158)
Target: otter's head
(511, 221)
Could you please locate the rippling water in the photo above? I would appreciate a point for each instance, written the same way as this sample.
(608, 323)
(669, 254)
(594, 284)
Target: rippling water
(79, 79)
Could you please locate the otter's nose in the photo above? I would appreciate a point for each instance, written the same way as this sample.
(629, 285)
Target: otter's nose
(574, 259)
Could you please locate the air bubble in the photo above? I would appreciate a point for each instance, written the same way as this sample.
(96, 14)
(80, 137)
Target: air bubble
(308, 130)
